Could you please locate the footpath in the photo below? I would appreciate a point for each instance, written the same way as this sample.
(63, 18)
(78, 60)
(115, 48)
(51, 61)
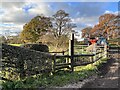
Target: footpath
(110, 79)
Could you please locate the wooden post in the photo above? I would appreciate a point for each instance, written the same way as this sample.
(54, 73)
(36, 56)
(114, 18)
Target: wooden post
(63, 52)
(54, 63)
(91, 59)
(94, 58)
(71, 51)
(82, 49)
(99, 54)
(105, 50)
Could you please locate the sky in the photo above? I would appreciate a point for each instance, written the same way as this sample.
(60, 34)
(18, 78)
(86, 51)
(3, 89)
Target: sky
(14, 14)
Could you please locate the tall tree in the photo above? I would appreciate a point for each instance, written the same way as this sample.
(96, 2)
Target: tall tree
(86, 32)
(113, 28)
(62, 24)
(107, 26)
(37, 27)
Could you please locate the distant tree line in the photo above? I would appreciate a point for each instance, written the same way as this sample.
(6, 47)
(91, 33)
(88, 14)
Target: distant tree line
(55, 30)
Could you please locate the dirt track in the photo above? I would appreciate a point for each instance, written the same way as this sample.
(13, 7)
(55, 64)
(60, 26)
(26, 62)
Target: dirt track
(109, 77)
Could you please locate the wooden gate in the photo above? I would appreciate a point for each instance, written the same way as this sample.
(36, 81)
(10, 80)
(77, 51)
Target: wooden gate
(73, 59)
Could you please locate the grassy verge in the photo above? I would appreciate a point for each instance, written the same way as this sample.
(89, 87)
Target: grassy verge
(58, 79)
(15, 44)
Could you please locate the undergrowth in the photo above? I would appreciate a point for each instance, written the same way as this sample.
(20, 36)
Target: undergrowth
(60, 78)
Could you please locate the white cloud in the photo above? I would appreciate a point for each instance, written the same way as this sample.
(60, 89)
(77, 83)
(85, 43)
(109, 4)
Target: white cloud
(11, 10)
(107, 12)
(85, 21)
(21, 12)
(10, 26)
(13, 15)
(41, 8)
(15, 12)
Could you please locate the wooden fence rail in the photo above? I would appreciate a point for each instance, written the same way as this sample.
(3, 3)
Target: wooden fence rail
(21, 62)
(62, 52)
(64, 61)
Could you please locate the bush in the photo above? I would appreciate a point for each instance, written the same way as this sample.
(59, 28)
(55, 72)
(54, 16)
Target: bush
(37, 47)
(57, 44)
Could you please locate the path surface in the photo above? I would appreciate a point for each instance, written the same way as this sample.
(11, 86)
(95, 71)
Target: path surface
(110, 79)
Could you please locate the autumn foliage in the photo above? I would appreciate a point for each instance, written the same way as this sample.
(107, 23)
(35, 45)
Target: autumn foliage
(107, 26)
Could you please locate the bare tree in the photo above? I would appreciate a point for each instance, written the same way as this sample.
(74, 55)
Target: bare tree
(62, 24)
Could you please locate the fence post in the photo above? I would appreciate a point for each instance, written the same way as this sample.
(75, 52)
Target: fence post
(54, 62)
(92, 58)
(71, 51)
(105, 50)
(100, 52)
(63, 52)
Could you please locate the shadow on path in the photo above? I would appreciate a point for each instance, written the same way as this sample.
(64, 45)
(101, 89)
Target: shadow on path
(108, 77)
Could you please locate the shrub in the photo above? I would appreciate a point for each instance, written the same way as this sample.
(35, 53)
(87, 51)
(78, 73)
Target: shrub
(37, 47)
(57, 44)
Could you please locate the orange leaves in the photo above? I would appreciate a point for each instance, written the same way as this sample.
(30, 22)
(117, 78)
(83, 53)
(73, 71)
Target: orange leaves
(108, 24)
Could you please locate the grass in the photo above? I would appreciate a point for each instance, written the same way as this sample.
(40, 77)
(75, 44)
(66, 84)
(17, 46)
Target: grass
(58, 79)
(82, 51)
(16, 44)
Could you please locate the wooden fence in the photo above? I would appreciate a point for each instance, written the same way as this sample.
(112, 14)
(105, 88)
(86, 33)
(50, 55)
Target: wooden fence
(19, 62)
(71, 61)
(59, 53)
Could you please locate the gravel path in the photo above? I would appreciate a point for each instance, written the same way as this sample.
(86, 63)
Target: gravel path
(109, 80)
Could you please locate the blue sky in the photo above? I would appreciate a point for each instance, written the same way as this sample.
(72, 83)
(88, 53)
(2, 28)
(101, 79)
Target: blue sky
(13, 15)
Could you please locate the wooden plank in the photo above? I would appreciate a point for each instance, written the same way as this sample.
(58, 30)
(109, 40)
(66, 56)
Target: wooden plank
(100, 46)
(60, 52)
(80, 55)
(55, 52)
(99, 58)
(98, 53)
(114, 47)
(59, 56)
(80, 45)
(62, 67)
(83, 64)
(54, 63)
(63, 64)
